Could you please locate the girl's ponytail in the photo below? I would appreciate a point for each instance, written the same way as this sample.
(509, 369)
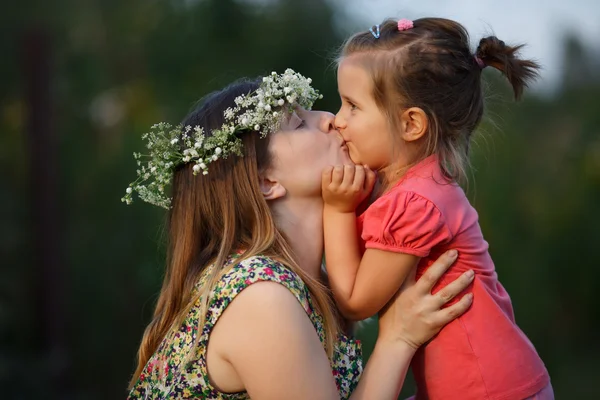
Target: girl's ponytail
(493, 52)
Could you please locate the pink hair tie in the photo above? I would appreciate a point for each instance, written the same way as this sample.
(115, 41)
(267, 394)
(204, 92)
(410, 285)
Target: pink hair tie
(480, 62)
(405, 24)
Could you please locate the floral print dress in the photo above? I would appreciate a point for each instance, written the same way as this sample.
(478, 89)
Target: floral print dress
(165, 376)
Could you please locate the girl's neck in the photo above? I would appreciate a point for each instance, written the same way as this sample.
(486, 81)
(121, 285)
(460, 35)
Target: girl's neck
(301, 221)
(390, 175)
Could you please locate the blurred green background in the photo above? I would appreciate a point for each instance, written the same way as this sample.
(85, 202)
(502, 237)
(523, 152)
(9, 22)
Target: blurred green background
(81, 271)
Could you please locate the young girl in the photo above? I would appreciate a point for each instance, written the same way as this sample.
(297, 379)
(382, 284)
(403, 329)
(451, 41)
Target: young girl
(411, 98)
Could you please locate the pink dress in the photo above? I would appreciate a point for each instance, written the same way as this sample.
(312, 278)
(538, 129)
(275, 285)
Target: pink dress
(482, 354)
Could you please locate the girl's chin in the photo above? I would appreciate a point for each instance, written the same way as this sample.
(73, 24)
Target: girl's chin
(348, 159)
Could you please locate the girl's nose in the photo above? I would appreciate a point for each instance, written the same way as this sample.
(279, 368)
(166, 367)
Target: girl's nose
(339, 122)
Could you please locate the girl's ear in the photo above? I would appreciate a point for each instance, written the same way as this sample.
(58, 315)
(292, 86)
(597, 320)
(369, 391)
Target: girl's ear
(414, 123)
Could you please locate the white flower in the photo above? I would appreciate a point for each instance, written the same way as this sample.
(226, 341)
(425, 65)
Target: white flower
(250, 110)
(309, 81)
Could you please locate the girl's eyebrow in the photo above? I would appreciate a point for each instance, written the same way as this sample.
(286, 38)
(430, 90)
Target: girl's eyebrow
(349, 99)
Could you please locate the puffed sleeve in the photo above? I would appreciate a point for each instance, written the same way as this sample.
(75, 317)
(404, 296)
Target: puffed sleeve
(404, 222)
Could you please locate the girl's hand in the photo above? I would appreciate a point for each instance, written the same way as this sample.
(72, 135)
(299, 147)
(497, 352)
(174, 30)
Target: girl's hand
(344, 187)
(414, 315)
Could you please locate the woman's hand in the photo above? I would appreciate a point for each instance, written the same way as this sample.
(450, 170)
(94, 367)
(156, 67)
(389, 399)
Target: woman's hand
(414, 315)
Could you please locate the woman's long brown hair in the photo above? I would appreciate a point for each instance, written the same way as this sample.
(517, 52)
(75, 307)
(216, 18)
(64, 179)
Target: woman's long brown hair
(213, 216)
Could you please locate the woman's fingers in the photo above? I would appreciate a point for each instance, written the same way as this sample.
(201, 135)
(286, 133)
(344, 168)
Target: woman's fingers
(410, 279)
(435, 271)
(452, 289)
(457, 309)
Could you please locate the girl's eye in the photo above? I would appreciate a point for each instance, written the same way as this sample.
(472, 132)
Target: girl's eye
(352, 106)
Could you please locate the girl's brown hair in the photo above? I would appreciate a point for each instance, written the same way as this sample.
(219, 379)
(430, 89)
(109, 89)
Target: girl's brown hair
(431, 66)
(215, 215)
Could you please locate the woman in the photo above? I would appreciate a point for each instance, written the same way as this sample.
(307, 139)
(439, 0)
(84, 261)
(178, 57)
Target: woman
(243, 311)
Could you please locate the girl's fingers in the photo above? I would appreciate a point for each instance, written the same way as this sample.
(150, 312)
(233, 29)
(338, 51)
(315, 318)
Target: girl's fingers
(326, 175)
(359, 179)
(338, 175)
(370, 179)
(349, 172)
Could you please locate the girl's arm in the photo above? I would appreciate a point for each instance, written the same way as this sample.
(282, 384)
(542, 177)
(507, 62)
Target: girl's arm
(273, 349)
(361, 287)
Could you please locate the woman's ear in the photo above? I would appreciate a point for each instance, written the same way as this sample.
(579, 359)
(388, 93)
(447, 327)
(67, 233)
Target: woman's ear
(414, 124)
(271, 189)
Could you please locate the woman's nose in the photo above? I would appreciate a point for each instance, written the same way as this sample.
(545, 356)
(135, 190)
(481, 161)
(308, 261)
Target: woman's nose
(327, 123)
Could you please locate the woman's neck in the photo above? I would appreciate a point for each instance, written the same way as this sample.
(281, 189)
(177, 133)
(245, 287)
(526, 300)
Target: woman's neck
(301, 220)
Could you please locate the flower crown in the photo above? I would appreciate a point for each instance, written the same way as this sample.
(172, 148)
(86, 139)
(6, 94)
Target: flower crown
(171, 146)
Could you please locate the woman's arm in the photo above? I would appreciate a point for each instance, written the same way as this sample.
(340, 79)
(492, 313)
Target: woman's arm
(274, 351)
(267, 337)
